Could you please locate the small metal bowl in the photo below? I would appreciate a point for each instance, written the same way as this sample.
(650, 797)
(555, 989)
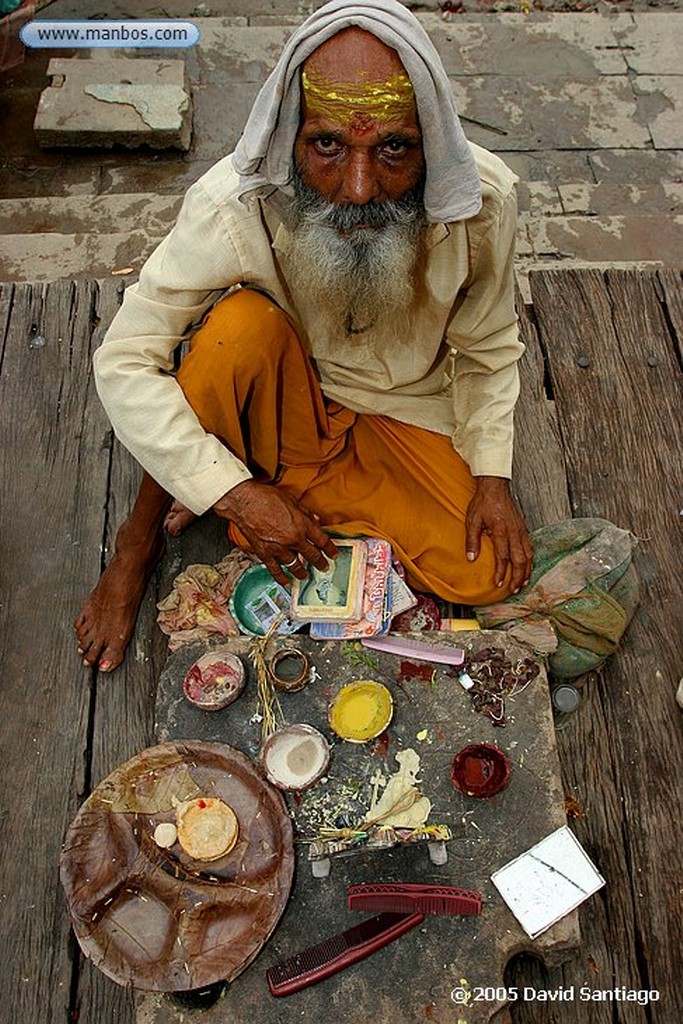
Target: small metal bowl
(289, 669)
(480, 770)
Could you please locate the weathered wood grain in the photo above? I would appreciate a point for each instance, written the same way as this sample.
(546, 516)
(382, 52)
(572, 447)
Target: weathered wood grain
(619, 417)
(538, 472)
(54, 485)
(670, 293)
(123, 712)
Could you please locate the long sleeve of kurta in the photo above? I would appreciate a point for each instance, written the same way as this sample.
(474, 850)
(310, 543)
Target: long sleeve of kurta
(181, 279)
(484, 337)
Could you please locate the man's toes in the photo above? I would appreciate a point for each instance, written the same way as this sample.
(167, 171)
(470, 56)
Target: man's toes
(91, 653)
(110, 658)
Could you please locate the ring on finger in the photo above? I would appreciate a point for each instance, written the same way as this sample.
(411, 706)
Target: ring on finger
(290, 565)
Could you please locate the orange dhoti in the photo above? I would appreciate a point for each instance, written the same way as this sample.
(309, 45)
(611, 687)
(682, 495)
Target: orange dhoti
(251, 384)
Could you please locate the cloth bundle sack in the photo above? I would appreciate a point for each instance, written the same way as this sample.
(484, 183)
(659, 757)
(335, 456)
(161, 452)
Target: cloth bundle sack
(580, 598)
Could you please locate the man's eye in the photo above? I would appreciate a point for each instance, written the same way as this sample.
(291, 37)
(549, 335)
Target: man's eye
(326, 144)
(395, 147)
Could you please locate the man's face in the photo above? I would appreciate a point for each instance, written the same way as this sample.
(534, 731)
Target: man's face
(357, 212)
(359, 140)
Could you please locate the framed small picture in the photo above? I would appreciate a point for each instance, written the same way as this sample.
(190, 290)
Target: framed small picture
(334, 594)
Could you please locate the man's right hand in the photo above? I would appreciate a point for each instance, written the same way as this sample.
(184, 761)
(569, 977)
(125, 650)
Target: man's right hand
(278, 529)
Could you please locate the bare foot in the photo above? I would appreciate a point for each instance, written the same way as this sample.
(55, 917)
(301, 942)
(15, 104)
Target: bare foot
(178, 518)
(107, 619)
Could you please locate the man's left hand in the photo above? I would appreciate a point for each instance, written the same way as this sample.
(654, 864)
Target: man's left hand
(492, 510)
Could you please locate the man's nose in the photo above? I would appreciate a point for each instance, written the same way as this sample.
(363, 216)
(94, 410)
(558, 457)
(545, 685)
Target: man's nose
(360, 184)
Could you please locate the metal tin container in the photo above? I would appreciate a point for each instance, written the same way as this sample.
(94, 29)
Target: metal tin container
(289, 669)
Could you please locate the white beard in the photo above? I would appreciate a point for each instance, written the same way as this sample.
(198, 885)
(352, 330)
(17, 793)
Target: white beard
(360, 276)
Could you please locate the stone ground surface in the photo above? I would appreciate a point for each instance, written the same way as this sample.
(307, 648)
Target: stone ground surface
(586, 108)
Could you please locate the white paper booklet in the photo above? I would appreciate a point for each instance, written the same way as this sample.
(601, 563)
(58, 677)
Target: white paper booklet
(548, 881)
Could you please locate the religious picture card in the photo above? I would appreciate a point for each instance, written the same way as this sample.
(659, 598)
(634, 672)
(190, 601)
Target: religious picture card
(334, 594)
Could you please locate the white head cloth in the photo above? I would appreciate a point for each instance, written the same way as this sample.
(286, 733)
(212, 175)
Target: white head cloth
(263, 156)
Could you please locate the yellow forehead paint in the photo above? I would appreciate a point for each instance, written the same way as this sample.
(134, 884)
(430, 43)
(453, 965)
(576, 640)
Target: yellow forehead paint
(357, 105)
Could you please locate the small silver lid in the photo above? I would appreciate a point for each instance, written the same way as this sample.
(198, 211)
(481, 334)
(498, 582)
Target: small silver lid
(565, 698)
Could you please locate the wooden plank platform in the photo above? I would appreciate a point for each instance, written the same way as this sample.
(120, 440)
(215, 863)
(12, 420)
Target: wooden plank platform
(596, 439)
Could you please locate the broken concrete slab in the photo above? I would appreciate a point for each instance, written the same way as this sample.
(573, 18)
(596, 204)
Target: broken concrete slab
(108, 101)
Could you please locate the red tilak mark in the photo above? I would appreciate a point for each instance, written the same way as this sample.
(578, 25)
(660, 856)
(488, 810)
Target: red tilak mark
(202, 804)
(361, 122)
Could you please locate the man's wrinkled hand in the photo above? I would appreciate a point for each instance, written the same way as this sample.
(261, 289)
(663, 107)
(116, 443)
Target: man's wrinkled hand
(493, 511)
(279, 530)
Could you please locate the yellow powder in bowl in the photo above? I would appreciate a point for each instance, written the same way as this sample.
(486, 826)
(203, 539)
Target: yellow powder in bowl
(361, 711)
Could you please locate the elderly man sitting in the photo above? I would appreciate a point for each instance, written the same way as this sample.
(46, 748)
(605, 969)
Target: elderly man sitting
(357, 368)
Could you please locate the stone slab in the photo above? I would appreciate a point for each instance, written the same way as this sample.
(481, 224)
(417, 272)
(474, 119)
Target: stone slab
(434, 716)
(152, 214)
(543, 164)
(105, 101)
(647, 167)
(238, 54)
(652, 43)
(18, 179)
(48, 257)
(543, 46)
(557, 113)
(538, 198)
(660, 103)
(222, 119)
(608, 198)
(637, 238)
(168, 174)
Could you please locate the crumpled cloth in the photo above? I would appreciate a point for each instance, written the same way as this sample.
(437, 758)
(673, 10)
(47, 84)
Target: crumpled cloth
(263, 155)
(197, 606)
(583, 588)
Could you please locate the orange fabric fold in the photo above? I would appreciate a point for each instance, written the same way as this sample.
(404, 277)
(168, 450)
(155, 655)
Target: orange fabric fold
(252, 385)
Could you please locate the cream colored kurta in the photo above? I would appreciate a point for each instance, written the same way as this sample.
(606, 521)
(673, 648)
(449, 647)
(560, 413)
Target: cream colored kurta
(453, 371)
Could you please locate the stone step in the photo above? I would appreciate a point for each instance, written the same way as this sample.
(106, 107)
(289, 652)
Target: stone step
(120, 214)
(45, 239)
(84, 235)
(48, 257)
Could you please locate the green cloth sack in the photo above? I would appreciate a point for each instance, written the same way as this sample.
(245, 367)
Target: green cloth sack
(581, 596)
